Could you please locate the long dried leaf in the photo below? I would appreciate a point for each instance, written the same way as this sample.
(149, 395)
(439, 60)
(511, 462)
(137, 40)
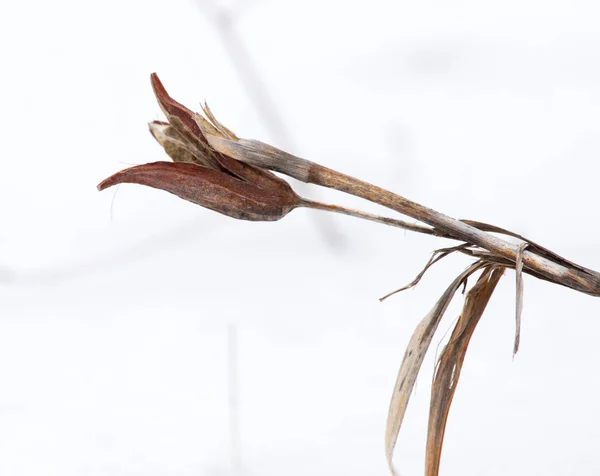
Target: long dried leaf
(450, 364)
(413, 358)
(519, 300)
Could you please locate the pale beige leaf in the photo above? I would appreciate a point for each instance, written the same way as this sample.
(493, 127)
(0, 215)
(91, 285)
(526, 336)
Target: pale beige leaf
(519, 300)
(450, 364)
(413, 358)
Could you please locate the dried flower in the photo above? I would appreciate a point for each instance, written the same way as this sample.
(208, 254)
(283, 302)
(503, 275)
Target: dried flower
(202, 175)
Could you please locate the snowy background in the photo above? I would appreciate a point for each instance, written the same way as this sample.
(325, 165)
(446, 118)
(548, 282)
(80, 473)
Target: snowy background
(115, 329)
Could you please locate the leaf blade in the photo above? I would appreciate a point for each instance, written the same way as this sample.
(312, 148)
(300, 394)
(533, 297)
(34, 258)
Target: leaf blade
(413, 358)
(450, 363)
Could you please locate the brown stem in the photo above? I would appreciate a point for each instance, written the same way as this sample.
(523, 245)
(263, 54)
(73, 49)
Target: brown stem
(263, 155)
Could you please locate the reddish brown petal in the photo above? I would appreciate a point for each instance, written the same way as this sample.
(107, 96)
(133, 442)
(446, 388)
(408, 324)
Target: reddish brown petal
(173, 109)
(211, 189)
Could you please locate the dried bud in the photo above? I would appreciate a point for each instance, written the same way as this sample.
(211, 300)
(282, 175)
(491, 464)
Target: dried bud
(203, 175)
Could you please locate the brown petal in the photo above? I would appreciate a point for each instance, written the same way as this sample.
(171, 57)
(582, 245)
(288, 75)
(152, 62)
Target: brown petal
(172, 109)
(212, 189)
(192, 129)
(182, 119)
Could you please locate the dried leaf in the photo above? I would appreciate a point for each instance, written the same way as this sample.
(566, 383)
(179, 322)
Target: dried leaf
(213, 189)
(519, 300)
(532, 245)
(450, 364)
(436, 256)
(413, 358)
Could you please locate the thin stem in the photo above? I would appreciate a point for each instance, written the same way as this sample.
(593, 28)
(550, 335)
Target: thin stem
(369, 216)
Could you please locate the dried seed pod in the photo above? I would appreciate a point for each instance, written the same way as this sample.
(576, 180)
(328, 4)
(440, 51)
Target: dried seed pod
(212, 189)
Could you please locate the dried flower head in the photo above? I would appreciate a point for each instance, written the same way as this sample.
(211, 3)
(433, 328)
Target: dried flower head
(201, 174)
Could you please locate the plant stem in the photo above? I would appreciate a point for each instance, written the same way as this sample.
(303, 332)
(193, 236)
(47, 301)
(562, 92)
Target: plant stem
(371, 217)
(553, 268)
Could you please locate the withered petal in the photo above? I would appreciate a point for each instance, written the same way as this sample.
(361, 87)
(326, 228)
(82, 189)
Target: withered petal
(173, 109)
(212, 189)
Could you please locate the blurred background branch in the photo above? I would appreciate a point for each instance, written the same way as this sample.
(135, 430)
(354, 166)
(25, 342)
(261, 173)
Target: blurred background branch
(223, 18)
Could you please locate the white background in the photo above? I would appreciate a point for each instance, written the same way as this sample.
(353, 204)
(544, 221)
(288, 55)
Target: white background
(114, 330)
